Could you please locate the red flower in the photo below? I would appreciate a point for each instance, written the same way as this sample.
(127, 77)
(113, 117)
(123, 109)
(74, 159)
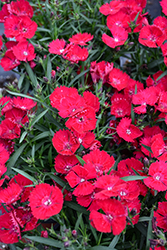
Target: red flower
(163, 4)
(23, 103)
(3, 169)
(9, 61)
(57, 46)
(111, 8)
(101, 161)
(18, 116)
(63, 164)
(151, 36)
(10, 194)
(9, 229)
(45, 201)
(91, 100)
(118, 79)
(161, 22)
(120, 105)
(4, 155)
(120, 35)
(128, 131)
(20, 8)
(113, 220)
(22, 182)
(158, 179)
(82, 121)
(161, 215)
(162, 102)
(20, 27)
(120, 20)
(134, 209)
(24, 51)
(79, 177)
(81, 38)
(75, 53)
(65, 142)
(4, 13)
(9, 129)
(127, 167)
(100, 71)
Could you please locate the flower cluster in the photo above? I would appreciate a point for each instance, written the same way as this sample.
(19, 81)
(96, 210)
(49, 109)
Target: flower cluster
(96, 142)
(19, 27)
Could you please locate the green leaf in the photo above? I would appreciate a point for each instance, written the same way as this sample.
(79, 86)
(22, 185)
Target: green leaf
(76, 207)
(114, 241)
(23, 136)
(21, 81)
(162, 75)
(22, 95)
(133, 178)
(16, 155)
(132, 114)
(77, 77)
(25, 174)
(149, 231)
(31, 74)
(41, 136)
(80, 160)
(101, 248)
(36, 119)
(78, 222)
(148, 148)
(49, 69)
(45, 241)
(144, 218)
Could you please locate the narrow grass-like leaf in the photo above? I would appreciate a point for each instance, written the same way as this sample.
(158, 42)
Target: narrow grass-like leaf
(45, 241)
(80, 160)
(41, 136)
(21, 81)
(49, 69)
(101, 248)
(12, 247)
(22, 95)
(15, 156)
(114, 241)
(132, 114)
(36, 119)
(76, 207)
(31, 74)
(24, 174)
(162, 75)
(22, 136)
(133, 178)
(148, 148)
(144, 218)
(78, 222)
(149, 231)
(77, 77)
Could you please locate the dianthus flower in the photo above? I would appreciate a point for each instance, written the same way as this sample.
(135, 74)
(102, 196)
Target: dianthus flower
(118, 79)
(24, 51)
(75, 53)
(20, 8)
(9, 61)
(113, 220)
(111, 8)
(158, 176)
(63, 163)
(57, 46)
(120, 35)
(81, 38)
(151, 36)
(65, 142)
(120, 105)
(9, 129)
(10, 194)
(161, 215)
(101, 161)
(163, 4)
(45, 201)
(23, 103)
(128, 131)
(100, 71)
(79, 176)
(119, 20)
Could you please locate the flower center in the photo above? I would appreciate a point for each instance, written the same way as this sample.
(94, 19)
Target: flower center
(25, 53)
(128, 131)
